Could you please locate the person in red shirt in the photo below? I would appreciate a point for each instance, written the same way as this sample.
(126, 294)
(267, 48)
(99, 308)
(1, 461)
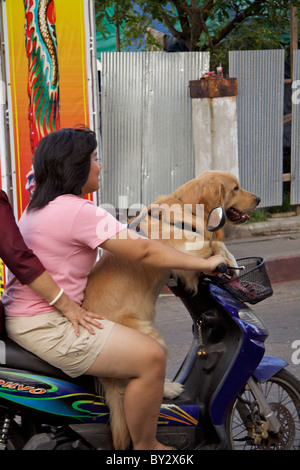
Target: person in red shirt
(13, 251)
(28, 269)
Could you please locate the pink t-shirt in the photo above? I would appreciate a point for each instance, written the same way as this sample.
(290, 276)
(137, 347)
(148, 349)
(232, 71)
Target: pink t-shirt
(65, 236)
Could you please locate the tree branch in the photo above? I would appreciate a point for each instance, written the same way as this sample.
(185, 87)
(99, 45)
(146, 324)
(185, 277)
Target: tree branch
(205, 5)
(254, 7)
(205, 29)
(173, 31)
(183, 12)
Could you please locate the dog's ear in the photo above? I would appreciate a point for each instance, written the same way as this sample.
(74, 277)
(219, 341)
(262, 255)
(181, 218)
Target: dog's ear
(190, 192)
(211, 192)
(216, 194)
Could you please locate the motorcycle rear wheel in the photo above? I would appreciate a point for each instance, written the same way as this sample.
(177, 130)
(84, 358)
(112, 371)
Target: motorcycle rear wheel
(247, 429)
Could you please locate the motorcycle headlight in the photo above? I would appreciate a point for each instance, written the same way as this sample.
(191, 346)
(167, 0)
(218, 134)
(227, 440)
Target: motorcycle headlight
(250, 317)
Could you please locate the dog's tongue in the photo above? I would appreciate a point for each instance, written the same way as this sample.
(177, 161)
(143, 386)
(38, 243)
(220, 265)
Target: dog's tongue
(244, 216)
(237, 216)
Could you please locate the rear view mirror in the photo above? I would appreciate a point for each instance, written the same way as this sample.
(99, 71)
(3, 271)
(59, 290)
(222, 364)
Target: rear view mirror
(216, 219)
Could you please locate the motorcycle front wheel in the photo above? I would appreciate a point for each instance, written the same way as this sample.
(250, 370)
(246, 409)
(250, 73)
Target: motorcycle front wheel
(246, 427)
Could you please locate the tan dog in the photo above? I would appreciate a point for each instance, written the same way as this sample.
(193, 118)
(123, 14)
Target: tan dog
(126, 293)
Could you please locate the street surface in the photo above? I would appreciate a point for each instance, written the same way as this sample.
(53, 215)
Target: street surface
(281, 314)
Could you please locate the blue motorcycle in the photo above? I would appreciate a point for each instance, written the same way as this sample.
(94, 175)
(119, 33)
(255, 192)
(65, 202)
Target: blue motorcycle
(235, 397)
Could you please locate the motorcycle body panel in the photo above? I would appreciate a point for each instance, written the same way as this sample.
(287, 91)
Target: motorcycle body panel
(233, 353)
(268, 366)
(249, 355)
(73, 402)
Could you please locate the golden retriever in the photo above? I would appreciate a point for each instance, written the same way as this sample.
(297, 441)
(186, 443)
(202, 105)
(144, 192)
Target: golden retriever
(126, 293)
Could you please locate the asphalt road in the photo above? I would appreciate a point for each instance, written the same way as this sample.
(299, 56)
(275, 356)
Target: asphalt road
(281, 314)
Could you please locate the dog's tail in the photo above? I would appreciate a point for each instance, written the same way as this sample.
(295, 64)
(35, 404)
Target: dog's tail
(114, 396)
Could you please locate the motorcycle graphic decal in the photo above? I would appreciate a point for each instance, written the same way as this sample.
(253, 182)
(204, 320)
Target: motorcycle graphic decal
(21, 387)
(173, 415)
(53, 396)
(66, 399)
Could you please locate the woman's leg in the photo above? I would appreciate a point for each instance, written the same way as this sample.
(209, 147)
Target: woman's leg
(135, 356)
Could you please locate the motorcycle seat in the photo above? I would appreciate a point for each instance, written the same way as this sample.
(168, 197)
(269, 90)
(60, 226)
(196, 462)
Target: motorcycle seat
(19, 358)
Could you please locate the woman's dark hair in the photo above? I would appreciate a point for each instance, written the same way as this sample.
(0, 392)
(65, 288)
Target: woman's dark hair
(61, 164)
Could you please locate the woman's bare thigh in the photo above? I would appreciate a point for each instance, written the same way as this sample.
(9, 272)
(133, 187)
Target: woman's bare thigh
(125, 353)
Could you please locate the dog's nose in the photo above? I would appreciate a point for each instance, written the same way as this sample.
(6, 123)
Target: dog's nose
(257, 200)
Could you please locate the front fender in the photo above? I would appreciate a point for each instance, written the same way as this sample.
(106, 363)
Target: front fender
(268, 366)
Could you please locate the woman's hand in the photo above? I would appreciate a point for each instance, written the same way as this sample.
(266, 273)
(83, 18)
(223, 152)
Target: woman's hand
(78, 316)
(47, 288)
(212, 264)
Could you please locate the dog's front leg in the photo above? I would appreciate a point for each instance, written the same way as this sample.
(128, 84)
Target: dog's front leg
(172, 389)
(219, 248)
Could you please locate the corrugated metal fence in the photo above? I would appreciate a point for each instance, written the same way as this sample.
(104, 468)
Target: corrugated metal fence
(295, 140)
(146, 123)
(260, 98)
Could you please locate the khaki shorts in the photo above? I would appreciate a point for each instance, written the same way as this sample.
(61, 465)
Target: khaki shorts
(51, 336)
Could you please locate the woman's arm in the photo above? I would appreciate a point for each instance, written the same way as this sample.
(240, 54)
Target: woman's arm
(15, 254)
(138, 249)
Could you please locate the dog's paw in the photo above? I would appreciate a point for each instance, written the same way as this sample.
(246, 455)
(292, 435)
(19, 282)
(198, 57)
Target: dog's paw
(172, 389)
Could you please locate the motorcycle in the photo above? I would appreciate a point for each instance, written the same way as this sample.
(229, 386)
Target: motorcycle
(235, 396)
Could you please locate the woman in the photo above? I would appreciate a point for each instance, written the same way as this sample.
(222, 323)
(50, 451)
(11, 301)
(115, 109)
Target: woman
(65, 230)
(28, 269)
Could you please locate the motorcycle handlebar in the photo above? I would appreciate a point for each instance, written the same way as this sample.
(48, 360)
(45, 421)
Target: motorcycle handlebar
(222, 268)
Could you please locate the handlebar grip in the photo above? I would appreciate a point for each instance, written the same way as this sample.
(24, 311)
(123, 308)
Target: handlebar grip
(222, 268)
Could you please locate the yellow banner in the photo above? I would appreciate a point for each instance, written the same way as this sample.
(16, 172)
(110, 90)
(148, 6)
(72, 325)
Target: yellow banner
(2, 278)
(48, 76)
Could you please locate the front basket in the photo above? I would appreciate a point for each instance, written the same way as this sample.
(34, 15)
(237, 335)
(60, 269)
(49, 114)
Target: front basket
(252, 285)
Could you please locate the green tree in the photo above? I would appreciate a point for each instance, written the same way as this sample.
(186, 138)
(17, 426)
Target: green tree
(205, 25)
